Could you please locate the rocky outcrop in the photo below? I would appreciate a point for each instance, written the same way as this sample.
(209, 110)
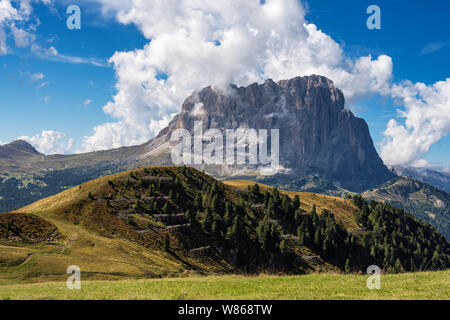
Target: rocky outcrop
(318, 135)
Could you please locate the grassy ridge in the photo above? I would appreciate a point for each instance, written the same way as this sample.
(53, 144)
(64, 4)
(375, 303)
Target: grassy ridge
(429, 285)
(121, 258)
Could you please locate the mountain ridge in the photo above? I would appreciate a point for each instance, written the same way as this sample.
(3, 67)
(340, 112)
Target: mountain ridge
(438, 179)
(426, 202)
(18, 148)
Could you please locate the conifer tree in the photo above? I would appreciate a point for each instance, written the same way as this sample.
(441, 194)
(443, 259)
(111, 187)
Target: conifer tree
(198, 201)
(284, 248)
(317, 240)
(151, 190)
(347, 266)
(296, 202)
(166, 243)
(207, 222)
(188, 216)
(263, 234)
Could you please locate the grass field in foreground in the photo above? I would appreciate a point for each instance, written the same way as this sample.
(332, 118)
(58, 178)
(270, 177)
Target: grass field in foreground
(428, 285)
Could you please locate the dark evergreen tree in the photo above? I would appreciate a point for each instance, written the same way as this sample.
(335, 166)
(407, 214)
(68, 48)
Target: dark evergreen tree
(207, 222)
(296, 202)
(166, 243)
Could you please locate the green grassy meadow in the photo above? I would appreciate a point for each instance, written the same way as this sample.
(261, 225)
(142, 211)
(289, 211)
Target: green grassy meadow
(426, 285)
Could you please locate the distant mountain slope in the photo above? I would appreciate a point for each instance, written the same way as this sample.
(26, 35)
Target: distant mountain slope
(27, 176)
(313, 183)
(17, 150)
(20, 158)
(424, 201)
(435, 178)
(17, 158)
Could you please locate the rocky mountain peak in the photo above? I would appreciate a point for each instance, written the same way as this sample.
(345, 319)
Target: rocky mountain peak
(317, 134)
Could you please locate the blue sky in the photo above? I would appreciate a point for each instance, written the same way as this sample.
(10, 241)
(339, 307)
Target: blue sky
(39, 92)
(414, 33)
(28, 109)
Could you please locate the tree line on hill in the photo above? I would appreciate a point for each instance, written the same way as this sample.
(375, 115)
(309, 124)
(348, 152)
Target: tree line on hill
(268, 226)
(269, 230)
(399, 240)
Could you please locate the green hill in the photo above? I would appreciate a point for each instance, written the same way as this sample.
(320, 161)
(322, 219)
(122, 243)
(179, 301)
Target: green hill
(162, 221)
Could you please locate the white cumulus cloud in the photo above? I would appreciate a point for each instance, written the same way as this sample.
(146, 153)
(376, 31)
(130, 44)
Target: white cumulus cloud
(7, 11)
(198, 110)
(198, 43)
(22, 37)
(15, 17)
(50, 142)
(7, 14)
(426, 115)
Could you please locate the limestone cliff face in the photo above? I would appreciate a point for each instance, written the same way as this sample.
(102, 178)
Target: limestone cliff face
(317, 134)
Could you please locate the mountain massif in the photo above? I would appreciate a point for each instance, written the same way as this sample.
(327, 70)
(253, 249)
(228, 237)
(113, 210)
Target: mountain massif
(167, 220)
(324, 149)
(16, 150)
(318, 137)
